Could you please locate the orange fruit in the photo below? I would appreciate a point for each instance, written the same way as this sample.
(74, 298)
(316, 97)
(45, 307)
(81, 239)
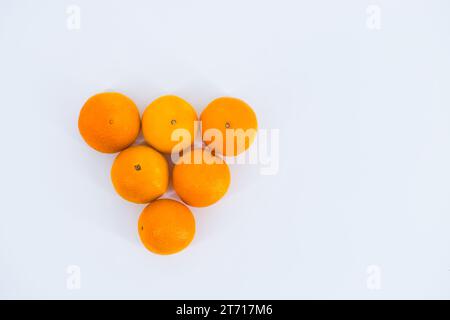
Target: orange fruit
(166, 226)
(235, 120)
(140, 174)
(162, 117)
(109, 122)
(200, 178)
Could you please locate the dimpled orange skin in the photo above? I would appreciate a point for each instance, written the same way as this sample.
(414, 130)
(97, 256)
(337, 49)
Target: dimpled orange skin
(109, 122)
(140, 174)
(229, 113)
(166, 226)
(162, 117)
(201, 183)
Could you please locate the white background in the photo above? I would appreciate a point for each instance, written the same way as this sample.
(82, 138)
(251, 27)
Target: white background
(364, 159)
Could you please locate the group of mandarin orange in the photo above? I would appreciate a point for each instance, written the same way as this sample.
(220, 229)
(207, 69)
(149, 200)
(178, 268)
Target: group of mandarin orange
(110, 122)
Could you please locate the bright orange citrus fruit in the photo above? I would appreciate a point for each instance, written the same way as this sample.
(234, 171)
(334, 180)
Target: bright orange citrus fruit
(166, 226)
(165, 115)
(200, 178)
(140, 174)
(235, 120)
(109, 122)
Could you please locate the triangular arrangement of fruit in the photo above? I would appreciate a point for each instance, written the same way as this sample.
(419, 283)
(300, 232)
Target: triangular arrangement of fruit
(110, 122)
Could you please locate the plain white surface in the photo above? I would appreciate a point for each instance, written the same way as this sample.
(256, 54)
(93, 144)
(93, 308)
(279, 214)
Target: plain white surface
(364, 119)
